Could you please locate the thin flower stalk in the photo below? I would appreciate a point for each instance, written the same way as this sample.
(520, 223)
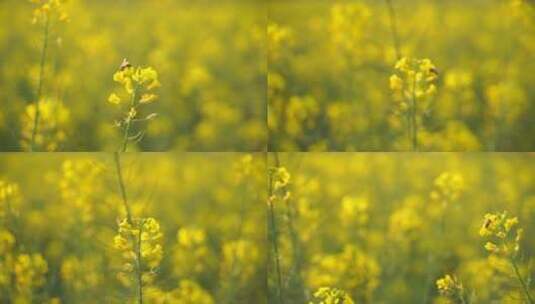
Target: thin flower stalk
(394, 28)
(277, 182)
(40, 83)
(136, 241)
(138, 84)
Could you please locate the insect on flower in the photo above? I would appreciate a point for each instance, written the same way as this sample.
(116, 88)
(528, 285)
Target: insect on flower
(487, 223)
(138, 84)
(125, 64)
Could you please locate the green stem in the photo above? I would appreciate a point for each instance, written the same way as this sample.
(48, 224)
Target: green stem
(461, 298)
(125, 137)
(409, 126)
(137, 242)
(122, 188)
(40, 85)
(393, 28)
(138, 266)
(273, 228)
(129, 121)
(413, 117)
(276, 251)
(521, 280)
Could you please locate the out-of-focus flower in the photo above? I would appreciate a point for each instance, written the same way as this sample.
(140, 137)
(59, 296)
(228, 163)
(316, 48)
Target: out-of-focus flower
(53, 126)
(447, 187)
(45, 9)
(328, 295)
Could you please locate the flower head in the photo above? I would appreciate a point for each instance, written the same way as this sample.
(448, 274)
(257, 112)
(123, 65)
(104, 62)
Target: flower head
(499, 228)
(280, 178)
(414, 80)
(138, 84)
(448, 187)
(329, 295)
(139, 240)
(449, 286)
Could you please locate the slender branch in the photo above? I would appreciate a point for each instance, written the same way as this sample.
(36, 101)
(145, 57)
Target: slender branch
(40, 85)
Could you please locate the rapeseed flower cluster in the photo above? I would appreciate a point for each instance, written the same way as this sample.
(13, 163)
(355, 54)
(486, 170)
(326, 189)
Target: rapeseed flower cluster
(138, 84)
(412, 85)
(21, 274)
(503, 233)
(280, 179)
(328, 295)
(187, 292)
(331, 270)
(413, 81)
(140, 245)
(450, 287)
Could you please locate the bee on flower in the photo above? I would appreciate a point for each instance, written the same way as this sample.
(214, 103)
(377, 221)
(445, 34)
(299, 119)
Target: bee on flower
(138, 84)
(504, 239)
(412, 84)
(504, 242)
